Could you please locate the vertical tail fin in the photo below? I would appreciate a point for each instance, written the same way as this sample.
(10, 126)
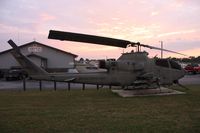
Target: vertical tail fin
(27, 64)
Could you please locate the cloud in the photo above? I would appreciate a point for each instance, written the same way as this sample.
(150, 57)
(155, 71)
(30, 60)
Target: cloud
(154, 13)
(177, 33)
(7, 28)
(173, 22)
(189, 52)
(192, 52)
(46, 17)
(14, 29)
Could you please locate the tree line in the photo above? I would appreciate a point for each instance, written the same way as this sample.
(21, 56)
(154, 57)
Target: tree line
(191, 59)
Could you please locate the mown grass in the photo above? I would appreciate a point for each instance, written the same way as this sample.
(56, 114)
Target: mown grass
(93, 111)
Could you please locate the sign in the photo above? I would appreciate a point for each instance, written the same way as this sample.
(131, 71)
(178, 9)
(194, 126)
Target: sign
(35, 49)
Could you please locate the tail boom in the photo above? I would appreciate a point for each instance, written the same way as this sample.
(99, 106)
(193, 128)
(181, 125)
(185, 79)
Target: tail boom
(27, 64)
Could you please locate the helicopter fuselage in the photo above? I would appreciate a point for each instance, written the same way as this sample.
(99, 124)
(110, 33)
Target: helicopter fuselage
(128, 70)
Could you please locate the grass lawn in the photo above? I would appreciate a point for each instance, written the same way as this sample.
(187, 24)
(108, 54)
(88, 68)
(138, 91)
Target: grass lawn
(93, 111)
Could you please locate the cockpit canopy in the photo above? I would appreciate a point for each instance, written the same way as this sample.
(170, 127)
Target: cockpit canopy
(167, 63)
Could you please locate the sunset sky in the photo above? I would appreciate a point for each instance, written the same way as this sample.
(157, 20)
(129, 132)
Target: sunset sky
(175, 22)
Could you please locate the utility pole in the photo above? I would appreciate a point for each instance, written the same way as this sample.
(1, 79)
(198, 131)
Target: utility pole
(161, 43)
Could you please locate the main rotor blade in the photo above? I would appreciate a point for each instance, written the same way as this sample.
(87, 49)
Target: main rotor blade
(151, 47)
(77, 37)
(69, 36)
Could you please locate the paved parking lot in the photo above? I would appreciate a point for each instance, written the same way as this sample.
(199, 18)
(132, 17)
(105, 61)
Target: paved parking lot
(31, 84)
(190, 80)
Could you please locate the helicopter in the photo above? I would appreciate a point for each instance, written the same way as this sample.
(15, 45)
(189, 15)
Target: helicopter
(134, 69)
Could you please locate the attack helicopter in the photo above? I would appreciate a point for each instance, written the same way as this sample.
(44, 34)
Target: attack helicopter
(134, 69)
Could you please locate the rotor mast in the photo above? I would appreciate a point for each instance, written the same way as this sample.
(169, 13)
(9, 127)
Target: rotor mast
(137, 45)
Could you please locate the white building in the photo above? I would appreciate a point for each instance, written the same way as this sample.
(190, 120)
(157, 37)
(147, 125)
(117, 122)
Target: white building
(52, 59)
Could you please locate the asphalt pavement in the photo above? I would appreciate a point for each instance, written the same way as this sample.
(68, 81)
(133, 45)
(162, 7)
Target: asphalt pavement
(190, 79)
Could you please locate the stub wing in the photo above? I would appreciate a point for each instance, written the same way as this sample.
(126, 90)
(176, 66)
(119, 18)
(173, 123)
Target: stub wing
(69, 79)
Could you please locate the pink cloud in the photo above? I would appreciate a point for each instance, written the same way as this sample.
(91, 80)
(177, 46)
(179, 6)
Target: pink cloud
(46, 17)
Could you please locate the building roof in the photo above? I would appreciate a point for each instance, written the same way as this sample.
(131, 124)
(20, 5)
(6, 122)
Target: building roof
(34, 42)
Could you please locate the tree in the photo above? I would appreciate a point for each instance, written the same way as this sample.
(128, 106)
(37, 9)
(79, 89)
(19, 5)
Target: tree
(81, 60)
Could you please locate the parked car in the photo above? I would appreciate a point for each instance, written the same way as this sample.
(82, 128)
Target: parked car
(192, 68)
(197, 69)
(15, 74)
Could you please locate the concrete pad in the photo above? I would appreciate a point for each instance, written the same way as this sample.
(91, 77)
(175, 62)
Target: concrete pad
(162, 91)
